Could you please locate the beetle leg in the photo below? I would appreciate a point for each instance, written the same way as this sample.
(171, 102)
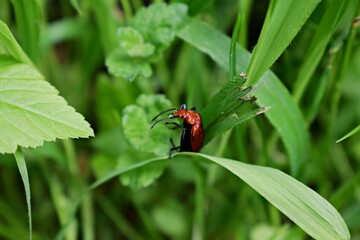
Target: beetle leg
(174, 123)
(173, 148)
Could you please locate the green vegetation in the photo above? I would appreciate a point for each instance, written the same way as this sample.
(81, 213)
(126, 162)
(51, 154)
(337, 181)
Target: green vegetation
(80, 82)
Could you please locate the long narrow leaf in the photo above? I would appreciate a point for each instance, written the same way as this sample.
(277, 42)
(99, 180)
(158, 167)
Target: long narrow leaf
(305, 207)
(8, 40)
(317, 47)
(20, 160)
(283, 21)
(352, 132)
(28, 19)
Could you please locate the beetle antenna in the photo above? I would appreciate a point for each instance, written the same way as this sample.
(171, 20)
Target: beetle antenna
(160, 120)
(169, 110)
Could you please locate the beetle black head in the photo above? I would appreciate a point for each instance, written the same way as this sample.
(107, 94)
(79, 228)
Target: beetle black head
(171, 116)
(183, 107)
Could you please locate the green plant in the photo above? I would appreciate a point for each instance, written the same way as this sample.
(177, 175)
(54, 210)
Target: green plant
(161, 48)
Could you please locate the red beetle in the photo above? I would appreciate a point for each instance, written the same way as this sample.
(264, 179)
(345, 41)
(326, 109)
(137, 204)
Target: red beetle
(192, 136)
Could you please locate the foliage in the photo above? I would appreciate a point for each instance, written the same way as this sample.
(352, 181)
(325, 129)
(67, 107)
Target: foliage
(149, 33)
(119, 65)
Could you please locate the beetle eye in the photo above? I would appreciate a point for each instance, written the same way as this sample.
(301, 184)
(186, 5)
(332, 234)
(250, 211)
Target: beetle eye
(183, 107)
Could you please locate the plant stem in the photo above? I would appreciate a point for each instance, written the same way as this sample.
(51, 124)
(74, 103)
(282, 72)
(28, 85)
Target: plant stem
(232, 54)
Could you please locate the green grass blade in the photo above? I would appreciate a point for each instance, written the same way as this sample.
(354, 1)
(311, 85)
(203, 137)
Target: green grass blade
(284, 113)
(231, 106)
(352, 132)
(306, 208)
(20, 160)
(76, 6)
(317, 47)
(234, 39)
(283, 21)
(315, 215)
(28, 19)
(10, 43)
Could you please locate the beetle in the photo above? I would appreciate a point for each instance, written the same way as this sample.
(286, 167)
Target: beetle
(192, 137)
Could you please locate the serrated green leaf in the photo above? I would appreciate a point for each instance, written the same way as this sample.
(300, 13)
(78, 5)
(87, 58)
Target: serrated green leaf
(132, 43)
(31, 111)
(283, 21)
(231, 106)
(284, 114)
(136, 123)
(315, 215)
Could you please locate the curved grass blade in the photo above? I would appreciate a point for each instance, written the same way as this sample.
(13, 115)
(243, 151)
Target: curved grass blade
(20, 160)
(315, 215)
(352, 132)
(306, 208)
(8, 40)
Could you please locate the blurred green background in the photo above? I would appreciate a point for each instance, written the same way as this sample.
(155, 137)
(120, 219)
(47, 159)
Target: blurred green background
(71, 50)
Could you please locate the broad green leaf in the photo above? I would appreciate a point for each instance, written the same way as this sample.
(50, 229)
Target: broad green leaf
(31, 111)
(28, 19)
(150, 32)
(315, 215)
(284, 114)
(283, 21)
(20, 161)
